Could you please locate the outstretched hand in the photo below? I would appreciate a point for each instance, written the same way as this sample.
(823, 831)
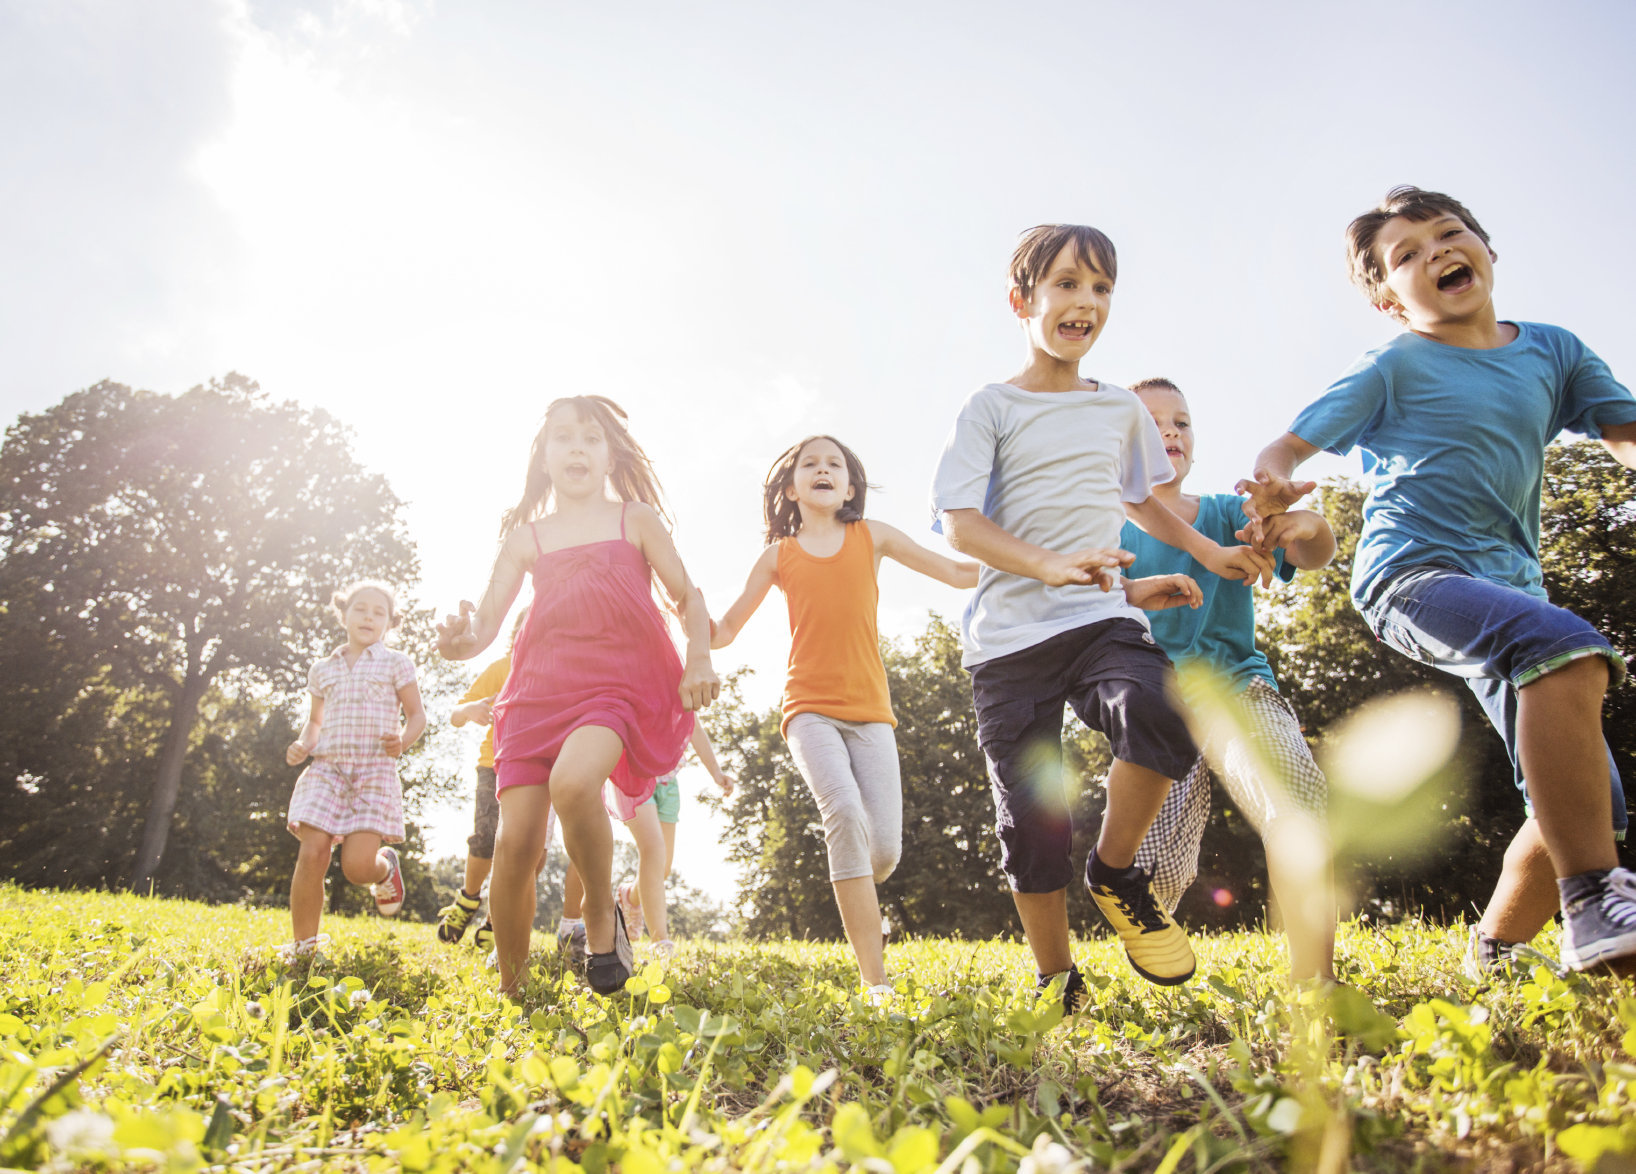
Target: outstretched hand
(455, 640)
(1281, 530)
(1089, 567)
(1269, 495)
(1158, 592)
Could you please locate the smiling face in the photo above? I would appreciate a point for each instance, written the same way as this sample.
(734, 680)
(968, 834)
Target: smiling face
(1068, 308)
(820, 480)
(576, 454)
(368, 617)
(1438, 272)
(1168, 407)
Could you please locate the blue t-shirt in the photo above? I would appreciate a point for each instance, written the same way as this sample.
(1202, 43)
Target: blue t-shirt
(1453, 441)
(1221, 632)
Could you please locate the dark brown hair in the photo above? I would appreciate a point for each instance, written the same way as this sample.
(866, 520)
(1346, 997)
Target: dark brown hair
(629, 469)
(342, 600)
(1366, 268)
(783, 516)
(1039, 246)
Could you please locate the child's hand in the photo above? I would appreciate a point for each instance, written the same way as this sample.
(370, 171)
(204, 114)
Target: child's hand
(392, 744)
(700, 685)
(1286, 528)
(1269, 496)
(1157, 592)
(480, 711)
(296, 754)
(1242, 564)
(454, 635)
(1087, 567)
(726, 782)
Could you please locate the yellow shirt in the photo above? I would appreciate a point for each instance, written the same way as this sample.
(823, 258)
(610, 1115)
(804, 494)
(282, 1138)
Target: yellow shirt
(488, 684)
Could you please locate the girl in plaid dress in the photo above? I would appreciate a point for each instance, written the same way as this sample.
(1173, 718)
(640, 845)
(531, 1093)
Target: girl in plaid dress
(596, 692)
(1288, 809)
(350, 795)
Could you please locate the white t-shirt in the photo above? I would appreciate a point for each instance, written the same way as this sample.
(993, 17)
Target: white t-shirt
(1051, 468)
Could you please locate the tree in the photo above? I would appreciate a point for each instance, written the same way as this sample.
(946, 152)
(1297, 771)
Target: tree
(154, 548)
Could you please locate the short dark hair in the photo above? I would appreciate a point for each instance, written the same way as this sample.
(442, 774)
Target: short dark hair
(783, 516)
(1367, 270)
(1154, 383)
(1040, 245)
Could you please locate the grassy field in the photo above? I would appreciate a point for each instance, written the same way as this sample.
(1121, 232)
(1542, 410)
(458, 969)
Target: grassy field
(150, 1034)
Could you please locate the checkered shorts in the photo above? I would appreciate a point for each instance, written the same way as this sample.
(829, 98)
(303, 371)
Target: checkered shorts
(342, 796)
(1171, 849)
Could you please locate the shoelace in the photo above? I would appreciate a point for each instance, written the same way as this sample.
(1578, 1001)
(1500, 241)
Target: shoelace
(1143, 912)
(1621, 883)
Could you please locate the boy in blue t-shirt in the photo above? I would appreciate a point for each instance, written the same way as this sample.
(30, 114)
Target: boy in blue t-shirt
(1288, 810)
(1453, 418)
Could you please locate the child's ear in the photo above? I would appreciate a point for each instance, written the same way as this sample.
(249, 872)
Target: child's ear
(1019, 304)
(1393, 311)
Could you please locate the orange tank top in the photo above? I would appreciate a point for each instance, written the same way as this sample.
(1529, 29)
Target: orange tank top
(835, 665)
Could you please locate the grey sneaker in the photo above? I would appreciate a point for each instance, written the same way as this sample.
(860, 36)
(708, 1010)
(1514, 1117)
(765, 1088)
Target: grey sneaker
(1599, 920)
(571, 947)
(1488, 959)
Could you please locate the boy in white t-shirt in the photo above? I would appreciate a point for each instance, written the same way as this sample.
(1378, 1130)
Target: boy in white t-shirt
(1035, 483)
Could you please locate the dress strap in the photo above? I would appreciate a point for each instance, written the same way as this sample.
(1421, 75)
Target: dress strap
(534, 531)
(623, 506)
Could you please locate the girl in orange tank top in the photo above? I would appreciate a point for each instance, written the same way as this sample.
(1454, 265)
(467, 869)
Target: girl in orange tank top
(837, 709)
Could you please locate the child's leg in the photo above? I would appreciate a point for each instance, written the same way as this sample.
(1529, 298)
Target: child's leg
(525, 810)
(1289, 811)
(485, 824)
(862, 815)
(361, 861)
(1525, 897)
(307, 885)
(586, 760)
(573, 894)
(668, 830)
(1560, 751)
(1135, 796)
(645, 829)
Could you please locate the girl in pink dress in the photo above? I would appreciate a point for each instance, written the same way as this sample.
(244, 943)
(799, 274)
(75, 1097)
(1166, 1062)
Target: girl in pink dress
(596, 690)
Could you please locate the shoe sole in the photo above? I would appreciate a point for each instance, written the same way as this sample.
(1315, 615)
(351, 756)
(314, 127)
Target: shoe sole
(1606, 952)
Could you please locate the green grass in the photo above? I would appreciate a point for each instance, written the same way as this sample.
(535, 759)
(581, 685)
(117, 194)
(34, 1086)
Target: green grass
(153, 1034)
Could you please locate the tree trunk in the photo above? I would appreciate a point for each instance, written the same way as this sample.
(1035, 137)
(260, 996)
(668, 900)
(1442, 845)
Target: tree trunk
(167, 784)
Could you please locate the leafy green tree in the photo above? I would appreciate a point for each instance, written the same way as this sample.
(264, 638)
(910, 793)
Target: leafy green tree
(162, 559)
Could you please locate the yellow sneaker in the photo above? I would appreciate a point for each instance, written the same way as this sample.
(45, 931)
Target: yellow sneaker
(1156, 946)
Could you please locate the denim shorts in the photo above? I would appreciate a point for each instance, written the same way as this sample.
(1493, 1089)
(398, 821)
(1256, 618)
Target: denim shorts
(1495, 638)
(1117, 680)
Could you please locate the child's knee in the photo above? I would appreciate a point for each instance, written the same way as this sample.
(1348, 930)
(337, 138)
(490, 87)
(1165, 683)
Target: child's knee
(314, 852)
(360, 869)
(884, 858)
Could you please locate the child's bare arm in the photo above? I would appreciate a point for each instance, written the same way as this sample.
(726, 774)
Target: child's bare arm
(707, 759)
(1307, 540)
(1157, 592)
(761, 579)
(1271, 488)
(700, 685)
(970, 532)
(1620, 440)
(414, 724)
(463, 636)
(1237, 563)
(894, 543)
(296, 753)
(480, 711)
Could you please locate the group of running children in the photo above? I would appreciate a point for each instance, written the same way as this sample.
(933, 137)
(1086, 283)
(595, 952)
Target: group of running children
(1068, 496)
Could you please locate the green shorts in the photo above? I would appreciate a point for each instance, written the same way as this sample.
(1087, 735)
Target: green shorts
(667, 797)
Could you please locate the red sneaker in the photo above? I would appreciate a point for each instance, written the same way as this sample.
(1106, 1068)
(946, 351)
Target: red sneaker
(389, 893)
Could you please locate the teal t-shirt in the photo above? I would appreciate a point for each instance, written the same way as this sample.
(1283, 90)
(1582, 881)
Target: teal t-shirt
(1453, 443)
(1221, 631)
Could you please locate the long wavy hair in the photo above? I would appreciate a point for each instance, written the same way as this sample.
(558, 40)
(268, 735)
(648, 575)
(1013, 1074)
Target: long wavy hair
(629, 470)
(783, 516)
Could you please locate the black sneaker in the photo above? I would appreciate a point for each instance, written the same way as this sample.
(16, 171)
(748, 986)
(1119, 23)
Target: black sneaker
(606, 973)
(453, 919)
(1074, 992)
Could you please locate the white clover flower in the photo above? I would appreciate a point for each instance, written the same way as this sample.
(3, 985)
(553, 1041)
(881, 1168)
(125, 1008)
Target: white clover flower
(1048, 1157)
(360, 998)
(255, 1010)
(81, 1131)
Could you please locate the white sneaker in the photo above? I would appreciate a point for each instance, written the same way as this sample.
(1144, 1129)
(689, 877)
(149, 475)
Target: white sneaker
(305, 948)
(879, 995)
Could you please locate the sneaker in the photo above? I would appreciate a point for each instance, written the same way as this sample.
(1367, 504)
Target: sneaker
(1156, 946)
(571, 946)
(389, 893)
(1073, 991)
(1489, 958)
(879, 995)
(453, 919)
(1599, 920)
(606, 973)
(306, 948)
(632, 908)
(663, 950)
(483, 939)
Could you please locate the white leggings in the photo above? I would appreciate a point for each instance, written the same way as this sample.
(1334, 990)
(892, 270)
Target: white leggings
(852, 770)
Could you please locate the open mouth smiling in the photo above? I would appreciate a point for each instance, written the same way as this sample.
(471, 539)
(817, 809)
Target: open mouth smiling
(1455, 276)
(1075, 330)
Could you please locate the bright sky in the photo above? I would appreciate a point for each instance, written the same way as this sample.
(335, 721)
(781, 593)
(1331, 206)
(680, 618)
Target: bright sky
(747, 222)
